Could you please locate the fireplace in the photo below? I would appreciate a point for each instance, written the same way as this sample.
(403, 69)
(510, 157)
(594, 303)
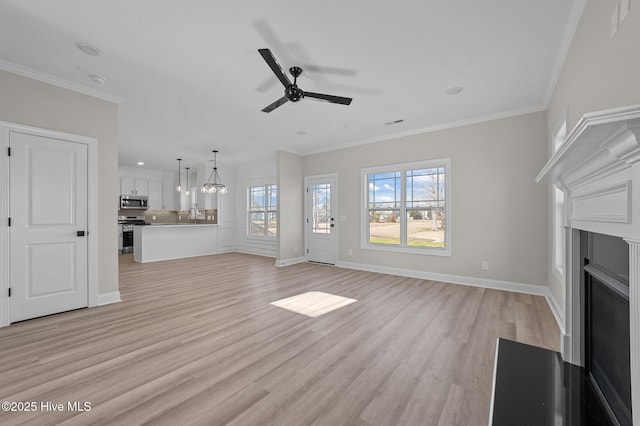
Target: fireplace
(598, 170)
(605, 299)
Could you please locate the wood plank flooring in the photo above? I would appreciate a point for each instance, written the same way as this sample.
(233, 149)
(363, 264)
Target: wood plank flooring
(196, 341)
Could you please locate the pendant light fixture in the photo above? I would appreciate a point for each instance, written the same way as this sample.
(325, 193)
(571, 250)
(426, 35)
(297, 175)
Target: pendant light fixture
(187, 190)
(179, 187)
(214, 183)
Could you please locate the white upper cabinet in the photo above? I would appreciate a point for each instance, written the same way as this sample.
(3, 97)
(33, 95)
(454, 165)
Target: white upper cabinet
(170, 200)
(134, 186)
(155, 194)
(127, 185)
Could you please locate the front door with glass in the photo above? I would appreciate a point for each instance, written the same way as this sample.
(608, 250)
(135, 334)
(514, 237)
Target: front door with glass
(321, 226)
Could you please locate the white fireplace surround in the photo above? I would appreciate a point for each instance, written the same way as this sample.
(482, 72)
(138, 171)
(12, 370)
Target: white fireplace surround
(598, 169)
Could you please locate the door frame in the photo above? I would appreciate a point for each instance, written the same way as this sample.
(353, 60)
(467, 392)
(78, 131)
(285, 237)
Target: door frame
(92, 210)
(334, 204)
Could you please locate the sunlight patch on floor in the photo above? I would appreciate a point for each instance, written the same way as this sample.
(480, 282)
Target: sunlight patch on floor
(314, 303)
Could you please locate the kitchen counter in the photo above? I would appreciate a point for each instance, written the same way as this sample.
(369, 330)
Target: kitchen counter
(153, 243)
(181, 224)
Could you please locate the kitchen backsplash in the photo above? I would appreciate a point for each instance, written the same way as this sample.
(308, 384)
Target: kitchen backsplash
(208, 216)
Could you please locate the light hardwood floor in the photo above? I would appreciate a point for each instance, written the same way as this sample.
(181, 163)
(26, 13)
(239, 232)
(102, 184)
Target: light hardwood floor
(197, 341)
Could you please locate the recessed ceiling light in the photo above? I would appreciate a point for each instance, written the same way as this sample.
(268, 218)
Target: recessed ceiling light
(140, 163)
(454, 90)
(97, 78)
(89, 49)
(394, 122)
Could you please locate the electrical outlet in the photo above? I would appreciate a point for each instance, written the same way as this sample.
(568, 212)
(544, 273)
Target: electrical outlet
(153, 218)
(485, 265)
(350, 252)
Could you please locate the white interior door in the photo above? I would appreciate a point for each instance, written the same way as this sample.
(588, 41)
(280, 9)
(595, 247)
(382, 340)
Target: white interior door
(48, 232)
(321, 197)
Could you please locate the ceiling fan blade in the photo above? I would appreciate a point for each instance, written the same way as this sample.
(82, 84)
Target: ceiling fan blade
(276, 104)
(275, 67)
(329, 98)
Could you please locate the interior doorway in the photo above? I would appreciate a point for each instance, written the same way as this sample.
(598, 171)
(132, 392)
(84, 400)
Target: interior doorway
(49, 236)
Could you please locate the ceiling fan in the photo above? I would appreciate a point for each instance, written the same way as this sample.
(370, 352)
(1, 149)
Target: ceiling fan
(291, 90)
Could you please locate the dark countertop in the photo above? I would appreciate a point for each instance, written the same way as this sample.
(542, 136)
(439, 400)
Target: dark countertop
(533, 386)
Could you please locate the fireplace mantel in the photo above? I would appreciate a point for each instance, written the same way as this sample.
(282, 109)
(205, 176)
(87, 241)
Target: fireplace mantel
(598, 169)
(602, 143)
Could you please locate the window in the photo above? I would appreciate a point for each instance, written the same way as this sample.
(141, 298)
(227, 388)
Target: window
(263, 211)
(407, 209)
(559, 137)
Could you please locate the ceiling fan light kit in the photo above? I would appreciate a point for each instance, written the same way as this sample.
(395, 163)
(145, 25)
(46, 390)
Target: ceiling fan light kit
(292, 93)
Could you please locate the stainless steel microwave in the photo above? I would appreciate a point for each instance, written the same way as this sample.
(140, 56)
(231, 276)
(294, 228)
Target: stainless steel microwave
(138, 202)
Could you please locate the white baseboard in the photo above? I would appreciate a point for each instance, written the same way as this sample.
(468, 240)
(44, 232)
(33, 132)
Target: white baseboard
(109, 298)
(290, 261)
(537, 290)
(556, 310)
(222, 250)
(258, 251)
(253, 253)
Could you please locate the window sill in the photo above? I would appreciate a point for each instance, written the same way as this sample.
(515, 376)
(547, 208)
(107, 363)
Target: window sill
(262, 237)
(412, 250)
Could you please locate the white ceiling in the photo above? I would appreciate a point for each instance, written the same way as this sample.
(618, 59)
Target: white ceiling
(192, 79)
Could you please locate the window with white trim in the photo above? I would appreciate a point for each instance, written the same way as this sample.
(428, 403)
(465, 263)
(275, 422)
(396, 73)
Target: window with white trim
(263, 211)
(407, 207)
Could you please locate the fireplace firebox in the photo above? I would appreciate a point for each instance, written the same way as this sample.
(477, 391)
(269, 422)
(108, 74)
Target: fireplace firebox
(606, 323)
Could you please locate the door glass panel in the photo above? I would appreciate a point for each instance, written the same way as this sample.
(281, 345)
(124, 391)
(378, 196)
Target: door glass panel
(321, 208)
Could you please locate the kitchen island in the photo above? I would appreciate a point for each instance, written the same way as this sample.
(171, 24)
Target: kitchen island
(153, 243)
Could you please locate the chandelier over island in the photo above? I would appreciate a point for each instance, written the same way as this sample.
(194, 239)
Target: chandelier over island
(214, 183)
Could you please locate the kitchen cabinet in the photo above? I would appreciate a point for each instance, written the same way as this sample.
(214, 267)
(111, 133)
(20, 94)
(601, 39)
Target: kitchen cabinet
(134, 186)
(155, 194)
(170, 197)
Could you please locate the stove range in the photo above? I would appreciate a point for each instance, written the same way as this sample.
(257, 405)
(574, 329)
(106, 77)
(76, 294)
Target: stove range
(131, 220)
(125, 243)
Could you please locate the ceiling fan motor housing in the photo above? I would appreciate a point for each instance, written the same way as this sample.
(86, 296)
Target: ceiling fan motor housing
(293, 93)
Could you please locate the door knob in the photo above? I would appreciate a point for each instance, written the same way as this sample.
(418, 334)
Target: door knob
(80, 233)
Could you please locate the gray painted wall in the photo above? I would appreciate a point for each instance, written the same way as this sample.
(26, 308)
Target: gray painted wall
(499, 212)
(37, 104)
(291, 209)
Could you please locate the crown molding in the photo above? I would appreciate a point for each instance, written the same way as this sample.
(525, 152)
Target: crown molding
(444, 126)
(59, 82)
